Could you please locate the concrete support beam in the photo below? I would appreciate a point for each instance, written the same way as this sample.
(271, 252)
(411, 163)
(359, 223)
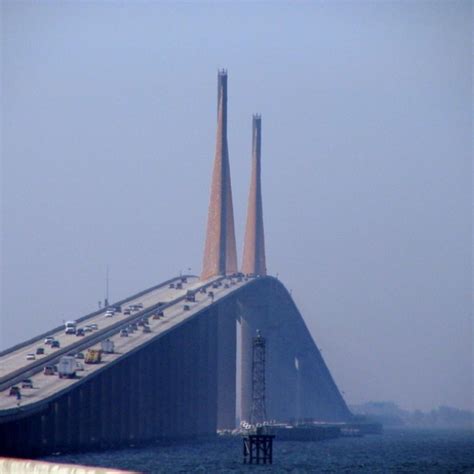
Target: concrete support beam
(226, 365)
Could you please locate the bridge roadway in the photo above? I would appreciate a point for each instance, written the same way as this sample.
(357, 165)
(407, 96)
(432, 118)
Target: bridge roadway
(16, 359)
(46, 387)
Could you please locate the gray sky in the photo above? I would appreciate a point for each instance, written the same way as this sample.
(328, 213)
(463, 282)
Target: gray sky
(109, 112)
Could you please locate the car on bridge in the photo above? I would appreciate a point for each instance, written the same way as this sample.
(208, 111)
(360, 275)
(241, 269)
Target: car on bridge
(94, 326)
(30, 356)
(123, 333)
(49, 370)
(190, 296)
(15, 391)
(79, 355)
(186, 307)
(49, 340)
(80, 332)
(39, 351)
(146, 329)
(26, 383)
(55, 344)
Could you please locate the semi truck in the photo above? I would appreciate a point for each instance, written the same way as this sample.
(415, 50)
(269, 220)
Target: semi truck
(107, 346)
(93, 356)
(67, 367)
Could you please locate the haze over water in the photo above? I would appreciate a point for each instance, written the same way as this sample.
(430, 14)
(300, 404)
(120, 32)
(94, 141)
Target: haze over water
(108, 129)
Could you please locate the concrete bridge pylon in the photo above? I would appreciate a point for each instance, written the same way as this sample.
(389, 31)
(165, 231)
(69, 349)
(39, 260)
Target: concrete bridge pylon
(253, 261)
(220, 253)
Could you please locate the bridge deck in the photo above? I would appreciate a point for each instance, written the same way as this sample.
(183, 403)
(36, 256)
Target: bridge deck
(17, 359)
(50, 386)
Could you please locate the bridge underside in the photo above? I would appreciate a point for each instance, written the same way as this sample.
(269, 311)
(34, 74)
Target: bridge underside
(183, 384)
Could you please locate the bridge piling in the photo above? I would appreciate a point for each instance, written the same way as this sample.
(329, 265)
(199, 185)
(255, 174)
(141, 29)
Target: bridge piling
(226, 366)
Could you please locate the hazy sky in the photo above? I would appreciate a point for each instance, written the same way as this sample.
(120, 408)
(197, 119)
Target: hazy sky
(109, 113)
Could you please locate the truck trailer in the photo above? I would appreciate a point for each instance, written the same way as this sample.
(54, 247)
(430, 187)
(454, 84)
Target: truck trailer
(67, 367)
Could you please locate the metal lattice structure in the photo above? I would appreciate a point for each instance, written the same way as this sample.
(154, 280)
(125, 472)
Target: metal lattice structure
(258, 413)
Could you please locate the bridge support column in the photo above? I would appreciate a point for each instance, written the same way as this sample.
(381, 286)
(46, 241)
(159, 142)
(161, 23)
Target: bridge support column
(141, 401)
(226, 365)
(106, 435)
(73, 416)
(60, 424)
(84, 408)
(134, 408)
(46, 431)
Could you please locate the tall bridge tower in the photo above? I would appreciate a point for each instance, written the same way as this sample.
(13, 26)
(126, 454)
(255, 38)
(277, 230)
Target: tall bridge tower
(220, 253)
(253, 261)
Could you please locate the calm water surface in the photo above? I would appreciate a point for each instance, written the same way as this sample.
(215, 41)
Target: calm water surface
(396, 451)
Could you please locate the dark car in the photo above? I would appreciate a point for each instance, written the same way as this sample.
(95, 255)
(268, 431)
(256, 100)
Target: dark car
(146, 329)
(14, 391)
(171, 285)
(27, 383)
(123, 333)
(49, 370)
(39, 351)
(80, 332)
(55, 344)
(186, 307)
(134, 326)
(126, 311)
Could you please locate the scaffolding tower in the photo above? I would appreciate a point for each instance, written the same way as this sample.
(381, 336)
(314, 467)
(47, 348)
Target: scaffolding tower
(258, 413)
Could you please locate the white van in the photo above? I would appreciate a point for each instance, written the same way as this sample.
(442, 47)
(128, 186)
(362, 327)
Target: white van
(70, 327)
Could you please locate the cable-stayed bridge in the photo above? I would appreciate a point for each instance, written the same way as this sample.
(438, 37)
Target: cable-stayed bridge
(176, 375)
